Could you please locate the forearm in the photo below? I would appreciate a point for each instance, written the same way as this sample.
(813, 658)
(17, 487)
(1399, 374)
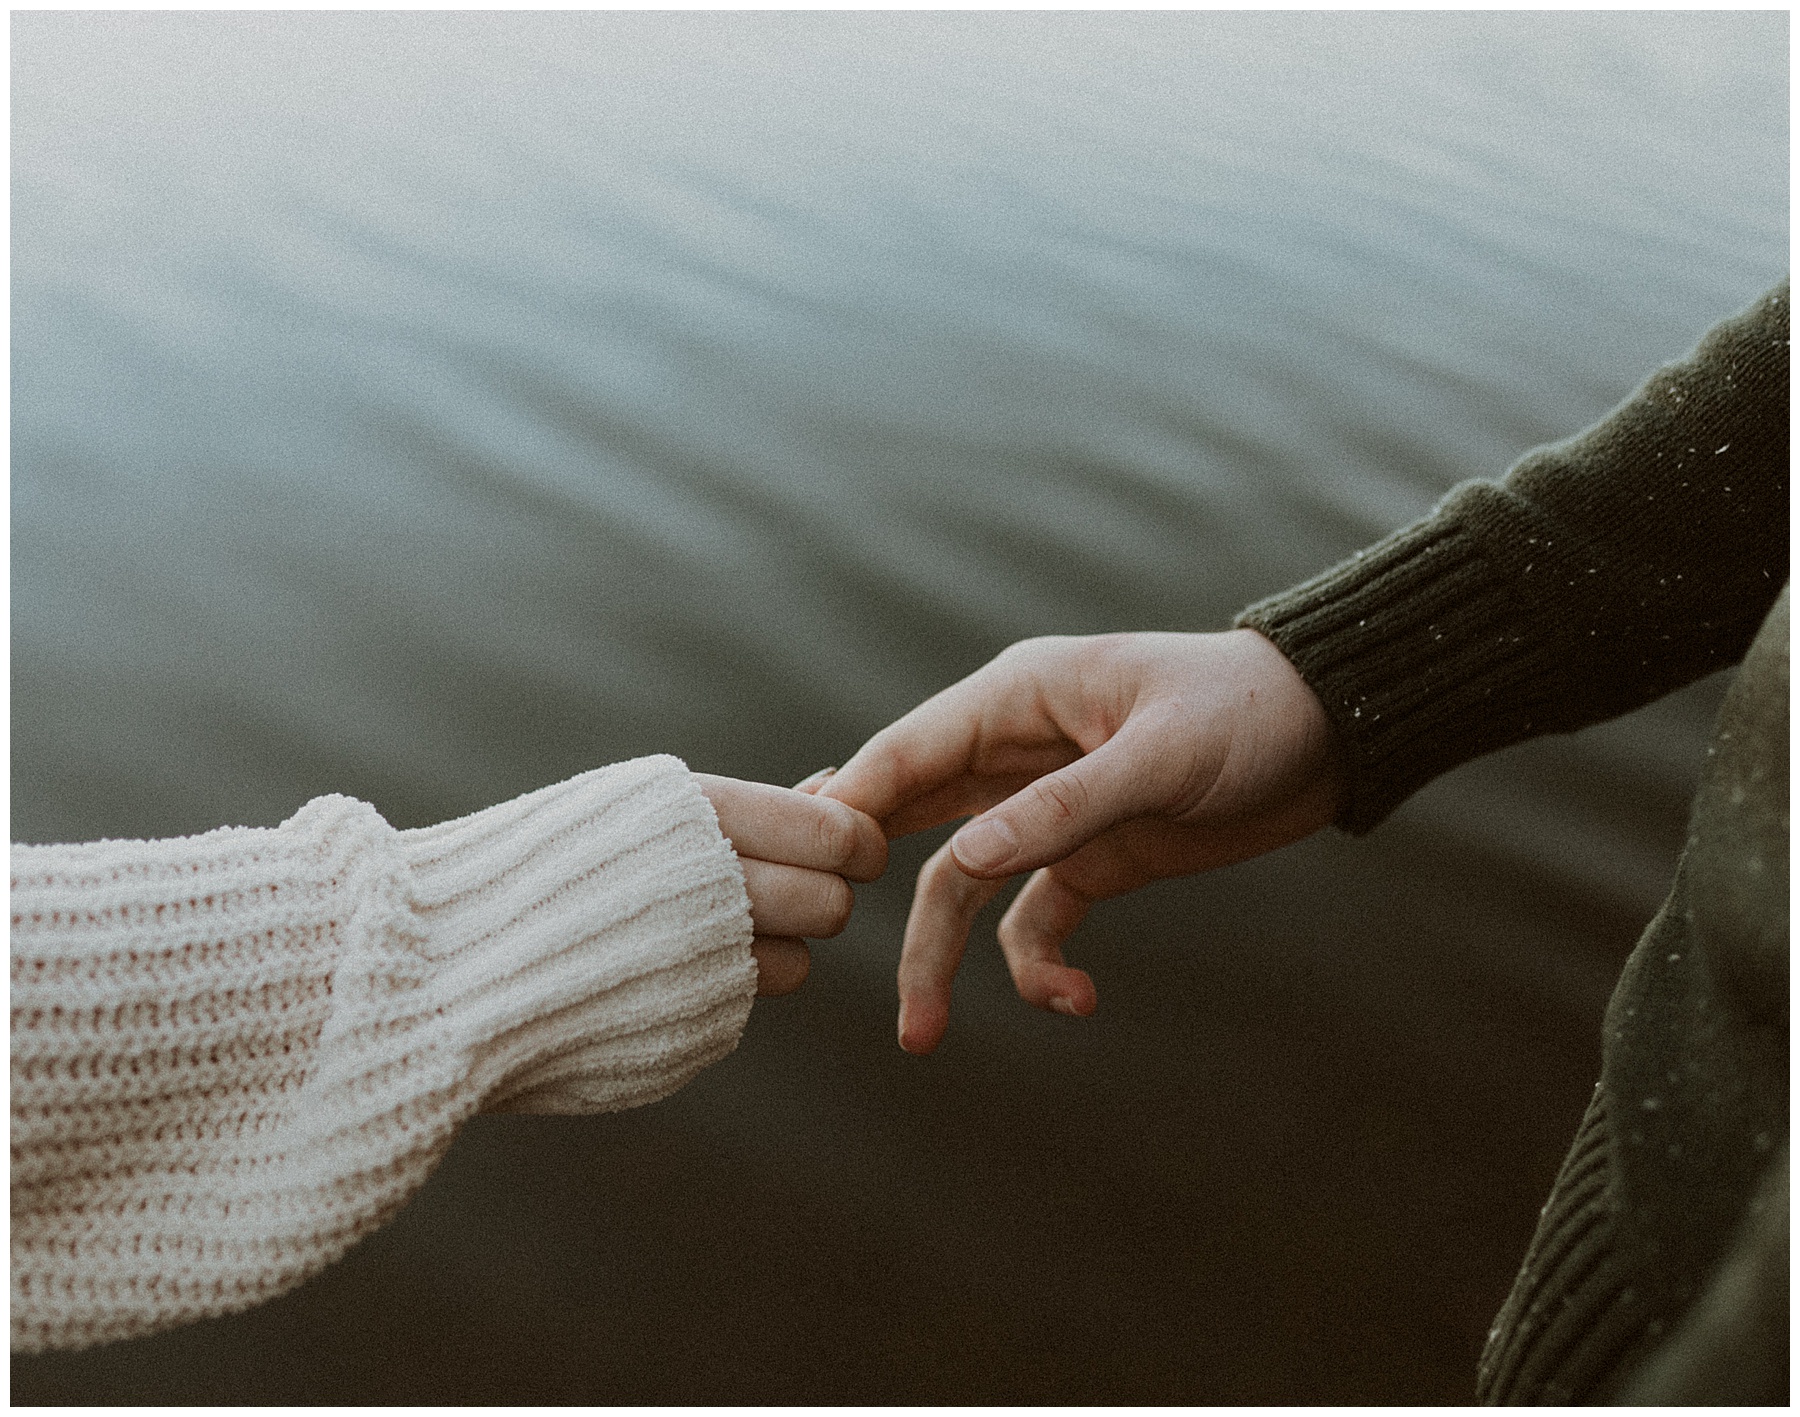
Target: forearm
(1601, 574)
(235, 1054)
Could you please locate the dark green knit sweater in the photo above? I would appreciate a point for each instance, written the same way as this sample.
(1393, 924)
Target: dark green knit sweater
(1601, 574)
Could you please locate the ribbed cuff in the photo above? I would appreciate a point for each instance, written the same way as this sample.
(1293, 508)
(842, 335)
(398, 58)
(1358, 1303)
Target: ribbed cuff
(591, 940)
(1417, 649)
(1573, 1310)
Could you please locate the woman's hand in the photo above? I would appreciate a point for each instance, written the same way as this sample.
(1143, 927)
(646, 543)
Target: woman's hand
(799, 853)
(1101, 763)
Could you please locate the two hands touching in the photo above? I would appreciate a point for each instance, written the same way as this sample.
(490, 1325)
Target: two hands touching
(1099, 764)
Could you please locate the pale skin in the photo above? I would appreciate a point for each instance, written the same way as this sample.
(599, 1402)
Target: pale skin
(1098, 764)
(799, 854)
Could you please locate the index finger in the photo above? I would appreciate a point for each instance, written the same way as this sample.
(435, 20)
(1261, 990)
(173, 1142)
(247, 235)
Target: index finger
(916, 753)
(943, 759)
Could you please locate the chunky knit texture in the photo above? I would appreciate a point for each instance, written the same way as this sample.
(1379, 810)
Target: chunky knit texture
(234, 1055)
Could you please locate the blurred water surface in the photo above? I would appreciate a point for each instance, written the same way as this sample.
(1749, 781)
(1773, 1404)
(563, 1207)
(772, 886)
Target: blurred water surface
(428, 406)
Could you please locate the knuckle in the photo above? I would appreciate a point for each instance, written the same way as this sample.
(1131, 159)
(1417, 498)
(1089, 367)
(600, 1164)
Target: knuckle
(1064, 797)
(1038, 647)
(834, 833)
(1110, 645)
(837, 902)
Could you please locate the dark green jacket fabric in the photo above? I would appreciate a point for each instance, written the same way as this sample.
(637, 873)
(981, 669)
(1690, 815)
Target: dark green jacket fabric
(1600, 574)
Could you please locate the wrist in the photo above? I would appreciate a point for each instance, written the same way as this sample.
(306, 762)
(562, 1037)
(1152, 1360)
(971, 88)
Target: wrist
(1305, 736)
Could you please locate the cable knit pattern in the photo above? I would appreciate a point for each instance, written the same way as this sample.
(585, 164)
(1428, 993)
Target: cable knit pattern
(234, 1055)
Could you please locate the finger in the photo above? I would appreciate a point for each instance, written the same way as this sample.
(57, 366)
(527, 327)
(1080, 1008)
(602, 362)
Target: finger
(782, 964)
(1031, 937)
(968, 796)
(1064, 810)
(966, 792)
(796, 828)
(815, 782)
(940, 740)
(790, 900)
(945, 904)
(930, 746)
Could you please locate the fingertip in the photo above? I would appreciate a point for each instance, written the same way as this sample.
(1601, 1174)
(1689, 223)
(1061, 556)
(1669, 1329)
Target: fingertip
(869, 860)
(922, 1024)
(918, 1044)
(1070, 992)
(1077, 1003)
(782, 964)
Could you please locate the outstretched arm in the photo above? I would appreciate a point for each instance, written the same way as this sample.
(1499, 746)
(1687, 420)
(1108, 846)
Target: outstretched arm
(1598, 575)
(233, 1055)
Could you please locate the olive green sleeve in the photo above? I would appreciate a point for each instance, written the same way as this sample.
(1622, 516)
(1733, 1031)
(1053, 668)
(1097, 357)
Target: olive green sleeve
(1600, 574)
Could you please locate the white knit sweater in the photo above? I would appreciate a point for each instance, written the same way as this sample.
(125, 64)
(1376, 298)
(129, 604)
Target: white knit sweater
(234, 1055)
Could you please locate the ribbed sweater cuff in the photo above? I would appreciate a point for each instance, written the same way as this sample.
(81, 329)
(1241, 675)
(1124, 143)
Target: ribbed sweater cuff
(591, 940)
(1414, 647)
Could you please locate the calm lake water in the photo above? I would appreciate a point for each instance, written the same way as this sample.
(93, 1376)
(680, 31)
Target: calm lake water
(430, 406)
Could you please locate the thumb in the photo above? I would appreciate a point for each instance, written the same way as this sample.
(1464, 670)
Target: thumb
(1059, 813)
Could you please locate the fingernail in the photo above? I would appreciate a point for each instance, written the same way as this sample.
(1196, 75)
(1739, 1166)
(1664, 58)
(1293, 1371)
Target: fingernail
(814, 780)
(985, 845)
(1064, 1006)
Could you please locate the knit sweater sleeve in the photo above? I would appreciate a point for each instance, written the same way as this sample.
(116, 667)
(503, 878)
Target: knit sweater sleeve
(1600, 574)
(234, 1055)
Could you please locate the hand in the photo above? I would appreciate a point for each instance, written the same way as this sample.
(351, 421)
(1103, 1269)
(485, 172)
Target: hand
(797, 851)
(1101, 763)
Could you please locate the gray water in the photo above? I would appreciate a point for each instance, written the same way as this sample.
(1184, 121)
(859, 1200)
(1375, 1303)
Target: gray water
(427, 406)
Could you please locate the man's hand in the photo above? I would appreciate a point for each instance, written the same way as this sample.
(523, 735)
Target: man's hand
(799, 853)
(1101, 763)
